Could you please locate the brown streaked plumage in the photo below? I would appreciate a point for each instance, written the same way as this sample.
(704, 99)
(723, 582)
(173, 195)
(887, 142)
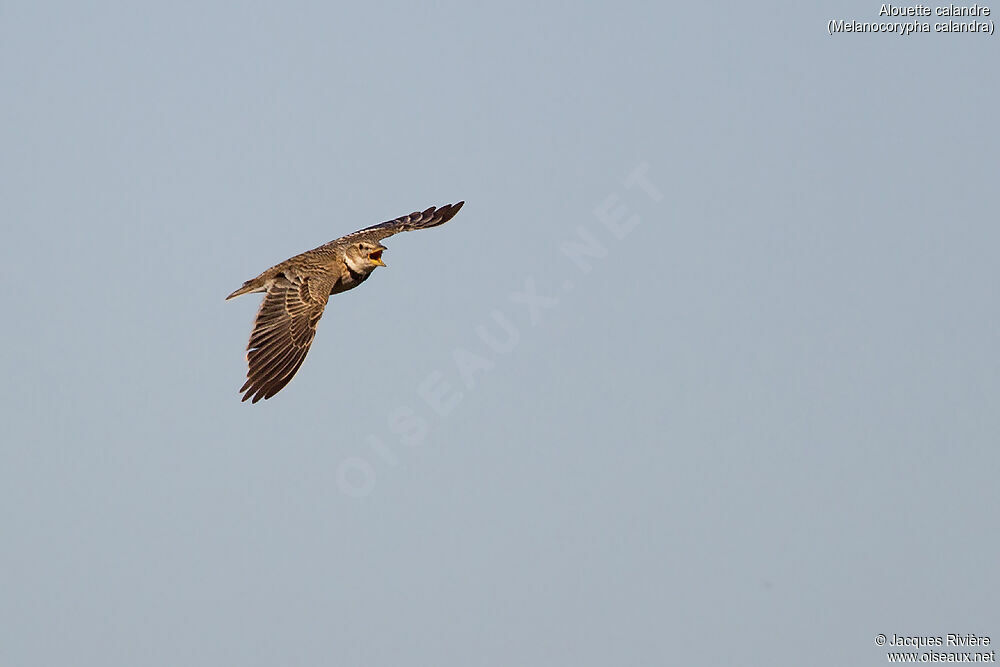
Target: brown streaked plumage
(297, 291)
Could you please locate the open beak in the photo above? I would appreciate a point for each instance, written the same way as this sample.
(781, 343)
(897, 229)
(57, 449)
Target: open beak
(376, 257)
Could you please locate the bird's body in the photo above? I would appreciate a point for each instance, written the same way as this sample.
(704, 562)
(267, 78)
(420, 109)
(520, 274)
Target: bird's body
(298, 289)
(327, 262)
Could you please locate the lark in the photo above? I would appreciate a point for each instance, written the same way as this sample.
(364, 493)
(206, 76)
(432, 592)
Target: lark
(297, 291)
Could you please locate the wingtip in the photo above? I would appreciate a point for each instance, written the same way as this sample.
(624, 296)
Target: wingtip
(449, 211)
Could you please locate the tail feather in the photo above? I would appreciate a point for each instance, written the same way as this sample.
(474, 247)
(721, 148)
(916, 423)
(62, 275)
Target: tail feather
(248, 287)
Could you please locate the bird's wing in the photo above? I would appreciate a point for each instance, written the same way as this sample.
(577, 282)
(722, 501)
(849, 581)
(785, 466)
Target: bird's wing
(283, 331)
(432, 217)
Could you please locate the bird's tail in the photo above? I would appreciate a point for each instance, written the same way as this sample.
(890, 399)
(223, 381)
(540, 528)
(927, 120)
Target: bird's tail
(248, 287)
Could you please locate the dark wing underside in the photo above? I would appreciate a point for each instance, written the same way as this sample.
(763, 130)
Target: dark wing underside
(432, 217)
(282, 333)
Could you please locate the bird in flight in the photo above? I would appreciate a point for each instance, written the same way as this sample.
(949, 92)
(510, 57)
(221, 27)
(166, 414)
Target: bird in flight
(297, 291)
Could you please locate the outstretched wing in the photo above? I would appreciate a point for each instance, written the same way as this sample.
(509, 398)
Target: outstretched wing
(282, 333)
(432, 217)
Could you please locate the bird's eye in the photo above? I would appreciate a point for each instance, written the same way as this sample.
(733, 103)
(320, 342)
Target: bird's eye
(361, 246)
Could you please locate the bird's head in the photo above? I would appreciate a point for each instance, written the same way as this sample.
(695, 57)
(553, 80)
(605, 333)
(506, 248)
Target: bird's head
(364, 256)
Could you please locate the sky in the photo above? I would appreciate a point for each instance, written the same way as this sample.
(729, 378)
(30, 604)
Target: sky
(703, 372)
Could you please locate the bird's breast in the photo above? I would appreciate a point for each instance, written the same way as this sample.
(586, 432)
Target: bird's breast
(348, 280)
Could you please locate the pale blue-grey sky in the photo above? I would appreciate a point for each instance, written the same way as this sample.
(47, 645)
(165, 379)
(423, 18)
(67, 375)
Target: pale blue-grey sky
(704, 372)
